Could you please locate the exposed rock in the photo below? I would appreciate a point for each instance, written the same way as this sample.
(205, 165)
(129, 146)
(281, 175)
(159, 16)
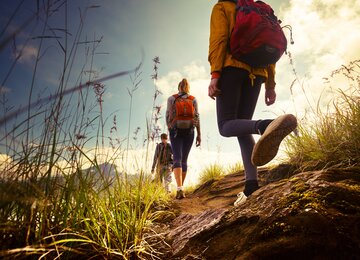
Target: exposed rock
(313, 215)
(189, 226)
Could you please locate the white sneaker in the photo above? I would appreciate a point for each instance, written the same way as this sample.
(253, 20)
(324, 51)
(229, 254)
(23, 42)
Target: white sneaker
(241, 199)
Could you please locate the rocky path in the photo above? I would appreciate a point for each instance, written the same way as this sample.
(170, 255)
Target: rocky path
(313, 215)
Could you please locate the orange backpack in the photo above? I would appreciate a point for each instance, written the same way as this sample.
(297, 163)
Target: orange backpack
(183, 111)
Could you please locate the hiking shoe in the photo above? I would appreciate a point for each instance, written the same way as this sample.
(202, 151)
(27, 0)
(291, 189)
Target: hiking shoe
(241, 199)
(180, 195)
(268, 145)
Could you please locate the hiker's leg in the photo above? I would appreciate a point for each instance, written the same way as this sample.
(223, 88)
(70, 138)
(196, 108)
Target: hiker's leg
(176, 146)
(162, 174)
(248, 100)
(167, 179)
(187, 144)
(158, 174)
(178, 176)
(183, 177)
(235, 108)
(231, 84)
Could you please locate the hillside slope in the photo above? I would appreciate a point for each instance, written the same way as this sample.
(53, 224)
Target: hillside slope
(313, 215)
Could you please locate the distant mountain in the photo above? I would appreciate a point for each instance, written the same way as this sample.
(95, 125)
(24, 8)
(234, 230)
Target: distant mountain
(108, 170)
(103, 174)
(107, 173)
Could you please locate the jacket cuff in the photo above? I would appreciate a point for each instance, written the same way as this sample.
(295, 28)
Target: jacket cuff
(215, 75)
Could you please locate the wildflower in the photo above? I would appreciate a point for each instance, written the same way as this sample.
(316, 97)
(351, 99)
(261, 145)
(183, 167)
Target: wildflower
(80, 136)
(99, 90)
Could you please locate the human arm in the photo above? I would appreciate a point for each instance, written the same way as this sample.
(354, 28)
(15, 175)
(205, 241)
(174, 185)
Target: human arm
(198, 136)
(218, 44)
(197, 124)
(168, 115)
(156, 155)
(219, 38)
(213, 90)
(270, 93)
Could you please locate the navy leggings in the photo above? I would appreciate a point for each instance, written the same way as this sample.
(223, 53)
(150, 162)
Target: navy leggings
(181, 145)
(235, 108)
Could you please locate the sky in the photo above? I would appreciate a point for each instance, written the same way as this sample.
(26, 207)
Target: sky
(326, 35)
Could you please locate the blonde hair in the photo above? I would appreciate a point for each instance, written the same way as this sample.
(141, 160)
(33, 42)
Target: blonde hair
(184, 86)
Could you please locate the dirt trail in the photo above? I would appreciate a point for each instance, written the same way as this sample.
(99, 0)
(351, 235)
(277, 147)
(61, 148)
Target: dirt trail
(213, 194)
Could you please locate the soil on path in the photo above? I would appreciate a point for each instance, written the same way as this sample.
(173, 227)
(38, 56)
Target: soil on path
(215, 194)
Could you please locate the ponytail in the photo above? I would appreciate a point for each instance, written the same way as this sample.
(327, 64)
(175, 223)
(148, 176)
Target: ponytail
(184, 86)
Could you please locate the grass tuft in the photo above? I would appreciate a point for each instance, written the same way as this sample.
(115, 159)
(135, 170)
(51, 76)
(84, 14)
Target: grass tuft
(333, 137)
(212, 172)
(235, 168)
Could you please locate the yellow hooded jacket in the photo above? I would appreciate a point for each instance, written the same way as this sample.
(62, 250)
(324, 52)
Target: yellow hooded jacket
(221, 25)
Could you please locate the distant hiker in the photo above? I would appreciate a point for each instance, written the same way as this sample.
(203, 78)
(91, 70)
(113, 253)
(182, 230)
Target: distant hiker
(236, 86)
(182, 116)
(163, 160)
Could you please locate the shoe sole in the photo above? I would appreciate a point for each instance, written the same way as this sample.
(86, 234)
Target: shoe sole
(268, 145)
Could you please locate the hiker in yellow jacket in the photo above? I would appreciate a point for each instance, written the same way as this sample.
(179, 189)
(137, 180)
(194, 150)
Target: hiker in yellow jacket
(236, 87)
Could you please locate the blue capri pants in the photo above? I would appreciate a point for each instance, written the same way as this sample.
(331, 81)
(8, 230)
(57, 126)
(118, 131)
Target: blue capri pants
(181, 146)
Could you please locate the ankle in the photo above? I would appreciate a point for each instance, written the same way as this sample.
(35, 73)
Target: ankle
(261, 125)
(250, 187)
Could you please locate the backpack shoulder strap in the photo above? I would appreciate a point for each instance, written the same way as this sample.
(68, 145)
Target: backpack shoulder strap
(158, 146)
(176, 96)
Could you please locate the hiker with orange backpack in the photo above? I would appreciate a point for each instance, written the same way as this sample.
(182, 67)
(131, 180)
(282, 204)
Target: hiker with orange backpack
(163, 161)
(246, 40)
(182, 116)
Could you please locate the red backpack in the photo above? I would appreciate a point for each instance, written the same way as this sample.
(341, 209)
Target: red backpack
(184, 112)
(257, 38)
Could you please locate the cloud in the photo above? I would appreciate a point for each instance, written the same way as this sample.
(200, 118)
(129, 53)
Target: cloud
(27, 54)
(326, 34)
(109, 95)
(324, 27)
(7, 169)
(4, 90)
(198, 78)
(4, 160)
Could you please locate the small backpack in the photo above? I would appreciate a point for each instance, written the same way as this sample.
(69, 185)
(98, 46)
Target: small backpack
(165, 154)
(183, 112)
(257, 38)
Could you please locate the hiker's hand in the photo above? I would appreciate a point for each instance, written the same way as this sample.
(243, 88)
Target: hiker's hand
(213, 88)
(270, 96)
(198, 140)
